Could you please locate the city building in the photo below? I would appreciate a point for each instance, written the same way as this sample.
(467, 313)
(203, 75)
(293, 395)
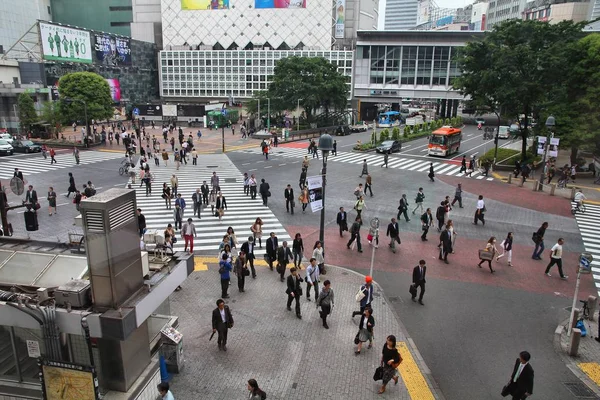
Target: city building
(502, 10)
(114, 16)
(393, 66)
(147, 22)
(594, 13)
(402, 14)
(479, 12)
(17, 17)
(553, 12)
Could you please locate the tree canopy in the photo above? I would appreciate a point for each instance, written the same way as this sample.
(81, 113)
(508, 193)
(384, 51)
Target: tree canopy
(27, 114)
(88, 87)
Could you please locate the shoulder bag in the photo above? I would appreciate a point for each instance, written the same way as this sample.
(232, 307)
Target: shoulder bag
(360, 295)
(486, 255)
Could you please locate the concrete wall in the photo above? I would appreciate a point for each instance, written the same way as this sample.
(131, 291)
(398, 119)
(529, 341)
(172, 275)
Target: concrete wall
(569, 11)
(8, 70)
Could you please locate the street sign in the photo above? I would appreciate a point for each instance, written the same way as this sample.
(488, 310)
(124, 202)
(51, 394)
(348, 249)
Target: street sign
(136, 111)
(17, 186)
(585, 262)
(224, 112)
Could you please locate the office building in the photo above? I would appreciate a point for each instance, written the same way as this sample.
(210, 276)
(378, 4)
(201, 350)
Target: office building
(147, 21)
(502, 10)
(113, 16)
(553, 12)
(402, 14)
(17, 17)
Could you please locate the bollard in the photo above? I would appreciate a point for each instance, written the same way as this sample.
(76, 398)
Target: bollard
(573, 193)
(552, 189)
(576, 313)
(574, 345)
(537, 186)
(509, 178)
(592, 303)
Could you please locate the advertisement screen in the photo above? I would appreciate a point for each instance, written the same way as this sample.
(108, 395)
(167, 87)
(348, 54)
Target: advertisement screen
(60, 43)
(279, 3)
(112, 50)
(115, 89)
(148, 110)
(340, 12)
(204, 4)
(190, 110)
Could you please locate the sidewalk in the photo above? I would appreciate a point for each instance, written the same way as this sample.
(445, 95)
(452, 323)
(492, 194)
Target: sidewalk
(290, 358)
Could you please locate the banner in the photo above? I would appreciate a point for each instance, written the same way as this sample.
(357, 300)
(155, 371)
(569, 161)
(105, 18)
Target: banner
(204, 4)
(279, 3)
(169, 110)
(115, 89)
(148, 110)
(111, 50)
(340, 10)
(60, 43)
(315, 192)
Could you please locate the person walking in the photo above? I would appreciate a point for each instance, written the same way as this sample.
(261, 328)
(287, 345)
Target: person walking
(197, 201)
(490, 248)
(240, 270)
(177, 216)
(298, 250)
(205, 192)
(194, 156)
(31, 199)
(365, 330)
(360, 205)
(302, 180)
(358, 192)
(480, 211)
(222, 321)
(390, 361)
(538, 239)
(188, 232)
(246, 179)
(284, 256)
(265, 150)
(174, 184)
(272, 247)
(312, 278)
(220, 205)
(181, 202)
(76, 154)
(431, 174)
(319, 255)
(294, 291)
(471, 168)
(334, 152)
(164, 391)
(365, 168)
(214, 181)
(224, 269)
(256, 229)
(288, 194)
(556, 258)
(255, 392)
(463, 165)
(426, 223)
(419, 199)
(342, 221)
(166, 194)
(368, 185)
(72, 188)
(304, 199)
(403, 208)
(325, 301)
(141, 222)
(453, 233)
(457, 196)
(52, 156)
(365, 294)
(446, 242)
(393, 231)
(355, 234)
(418, 279)
(386, 155)
(264, 191)
(248, 249)
(51, 201)
(520, 385)
(439, 215)
(506, 248)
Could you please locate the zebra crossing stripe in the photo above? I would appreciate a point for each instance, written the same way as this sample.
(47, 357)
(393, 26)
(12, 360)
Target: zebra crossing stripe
(588, 224)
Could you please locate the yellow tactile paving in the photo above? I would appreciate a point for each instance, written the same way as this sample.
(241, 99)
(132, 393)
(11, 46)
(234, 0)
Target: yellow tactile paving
(417, 386)
(592, 370)
(201, 263)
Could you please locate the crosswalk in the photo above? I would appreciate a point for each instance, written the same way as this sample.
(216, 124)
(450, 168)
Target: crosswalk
(37, 164)
(240, 214)
(589, 228)
(374, 159)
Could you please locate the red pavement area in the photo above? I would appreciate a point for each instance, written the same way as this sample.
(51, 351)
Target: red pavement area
(527, 274)
(302, 144)
(512, 194)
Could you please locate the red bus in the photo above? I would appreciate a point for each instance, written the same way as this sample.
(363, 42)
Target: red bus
(444, 141)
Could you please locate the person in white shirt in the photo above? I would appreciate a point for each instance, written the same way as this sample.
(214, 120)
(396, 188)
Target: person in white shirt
(579, 198)
(480, 212)
(312, 278)
(188, 231)
(165, 393)
(556, 258)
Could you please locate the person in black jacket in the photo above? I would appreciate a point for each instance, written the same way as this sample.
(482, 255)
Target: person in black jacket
(31, 198)
(418, 279)
(205, 192)
(141, 222)
(222, 321)
(288, 193)
(19, 174)
(539, 242)
(439, 215)
(355, 234)
(403, 208)
(521, 379)
(298, 250)
(284, 256)
(248, 249)
(294, 291)
(342, 221)
(220, 205)
(393, 231)
(445, 244)
(507, 249)
(264, 191)
(72, 187)
(272, 249)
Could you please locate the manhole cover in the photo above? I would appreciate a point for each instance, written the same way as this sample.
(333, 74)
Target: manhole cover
(230, 180)
(580, 390)
(344, 273)
(212, 166)
(394, 299)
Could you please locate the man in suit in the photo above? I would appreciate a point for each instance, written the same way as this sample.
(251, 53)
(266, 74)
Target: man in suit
(31, 198)
(393, 231)
(419, 280)
(205, 191)
(445, 245)
(284, 255)
(439, 215)
(248, 249)
(288, 193)
(521, 380)
(294, 291)
(222, 321)
(342, 221)
(197, 200)
(426, 222)
(403, 208)
(272, 246)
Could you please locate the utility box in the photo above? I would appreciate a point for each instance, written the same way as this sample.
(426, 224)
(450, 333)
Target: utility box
(172, 349)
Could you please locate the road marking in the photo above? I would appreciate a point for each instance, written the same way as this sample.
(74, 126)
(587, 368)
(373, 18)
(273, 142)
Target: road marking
(246, 163)
(281, 165)
(427, 149)
(270, 166)
(411, 375)
(252, 169)
(592, 370)
(201, 263)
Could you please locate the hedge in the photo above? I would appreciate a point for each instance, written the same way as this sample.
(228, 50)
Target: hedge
(503, 154)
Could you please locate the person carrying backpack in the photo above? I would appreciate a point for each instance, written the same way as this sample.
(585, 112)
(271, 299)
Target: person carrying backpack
(255, 392)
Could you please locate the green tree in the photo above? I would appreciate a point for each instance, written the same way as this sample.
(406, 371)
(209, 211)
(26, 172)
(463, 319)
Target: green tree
(27, 114)
(88, 87)
(396, 133)
(314, 81)
(51, 115)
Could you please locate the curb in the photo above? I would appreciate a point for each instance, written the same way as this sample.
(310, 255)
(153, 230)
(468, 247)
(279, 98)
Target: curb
(435, 388)
(569, 361)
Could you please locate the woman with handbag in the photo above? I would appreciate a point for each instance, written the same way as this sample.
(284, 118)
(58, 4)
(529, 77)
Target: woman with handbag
(489, 253)
(241, 270)
(390, 361)
(319, 256)
(166, 194)
(212, 200)
(256, 229)
(226, 251)
(298, 250)
(365, 330)
(220, 205)
(304, 199)
(232, 238)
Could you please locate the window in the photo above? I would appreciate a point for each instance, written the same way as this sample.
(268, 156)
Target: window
(392, 65)
(454, 71)
(363, 52)
(440, 65)
(409, 63)
(120, 23)
(377, 63)
(120, 8)
(424, 62)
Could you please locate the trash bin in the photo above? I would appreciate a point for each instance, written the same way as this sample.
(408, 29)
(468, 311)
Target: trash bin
(31, 222)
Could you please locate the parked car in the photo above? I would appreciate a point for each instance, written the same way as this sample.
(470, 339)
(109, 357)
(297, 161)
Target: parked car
(342, 130)
(5, 147)
(389, 146)
(359, 128)
(26, 146)
(6, 136)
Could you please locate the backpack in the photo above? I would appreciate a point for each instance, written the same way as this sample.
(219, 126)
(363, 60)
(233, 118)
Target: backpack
(222, 269)
(420, 197)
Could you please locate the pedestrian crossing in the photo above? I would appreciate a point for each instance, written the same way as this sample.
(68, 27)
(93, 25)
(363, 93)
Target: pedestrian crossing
(240, 214)
(37, 164)
(375, 159)
(589, 223)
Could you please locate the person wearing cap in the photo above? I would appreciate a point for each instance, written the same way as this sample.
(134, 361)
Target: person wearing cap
(188, 232)
(367, 290)
(248, 249)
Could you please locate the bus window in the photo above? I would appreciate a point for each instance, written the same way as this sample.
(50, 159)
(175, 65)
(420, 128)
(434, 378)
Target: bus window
(439, 139)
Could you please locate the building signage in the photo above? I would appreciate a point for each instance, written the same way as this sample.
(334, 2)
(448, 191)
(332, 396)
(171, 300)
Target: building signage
(61, 43)
(190, 110)
(169, 110)
(279, 3)
(315, 192)
(204, 4)
(340, 10)
(115, 89)
(149, 110)
(112, 50)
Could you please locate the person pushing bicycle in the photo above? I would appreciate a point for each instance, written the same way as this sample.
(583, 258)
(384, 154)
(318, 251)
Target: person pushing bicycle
(579, 198)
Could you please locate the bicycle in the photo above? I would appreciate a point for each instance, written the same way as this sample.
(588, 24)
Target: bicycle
(124, 170)
(562, 183)
(579, 207)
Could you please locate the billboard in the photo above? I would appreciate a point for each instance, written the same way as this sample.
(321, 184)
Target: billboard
(148, 110)
(115, 89)
(204, 4)
(112, 50)
(280, 3)
(423, 11)
(340, 12)
(61, 43)
(190, 110)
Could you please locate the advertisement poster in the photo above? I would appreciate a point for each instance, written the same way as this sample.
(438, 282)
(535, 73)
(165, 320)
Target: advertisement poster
(169, 110)
(204, 4)
(279, 3)
(111, 50)
(61, 43)
(340, 11)
(315, 192)
(115, 89)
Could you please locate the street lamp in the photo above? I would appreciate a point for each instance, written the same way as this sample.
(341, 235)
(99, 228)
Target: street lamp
(223, 116)
(325, 145)
(268, 115)
(298, 112)
(550, 124)
(17, 118)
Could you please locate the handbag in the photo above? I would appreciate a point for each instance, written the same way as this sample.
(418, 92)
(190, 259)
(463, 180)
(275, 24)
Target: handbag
(535, 237)
(280, 268)
(245, 271)
(267, 258)
(268, 193)
(412, 289)
(378, 375)
(486, 255)
(369, 237)
(505, 390)
(356, 340)
(360, 295)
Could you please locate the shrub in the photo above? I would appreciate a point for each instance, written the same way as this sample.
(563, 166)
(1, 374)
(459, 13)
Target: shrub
(406, 131)
(396, 133)
(385, 135)
(453, 121)
(459, 121)
(508, 156)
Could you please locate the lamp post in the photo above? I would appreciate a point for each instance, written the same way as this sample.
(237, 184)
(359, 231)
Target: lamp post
(223, 116)
(325, 145)
(298, 112)
(268, 115)
(550, 124)
(17, 118)
(375, 225)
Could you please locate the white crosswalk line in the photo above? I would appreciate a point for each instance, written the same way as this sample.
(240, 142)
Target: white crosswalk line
(420, 165)
(589, 228)
(443, 169)
(240, 214)
(411, 164)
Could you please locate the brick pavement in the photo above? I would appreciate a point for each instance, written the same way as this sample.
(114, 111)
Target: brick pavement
(290, 358)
